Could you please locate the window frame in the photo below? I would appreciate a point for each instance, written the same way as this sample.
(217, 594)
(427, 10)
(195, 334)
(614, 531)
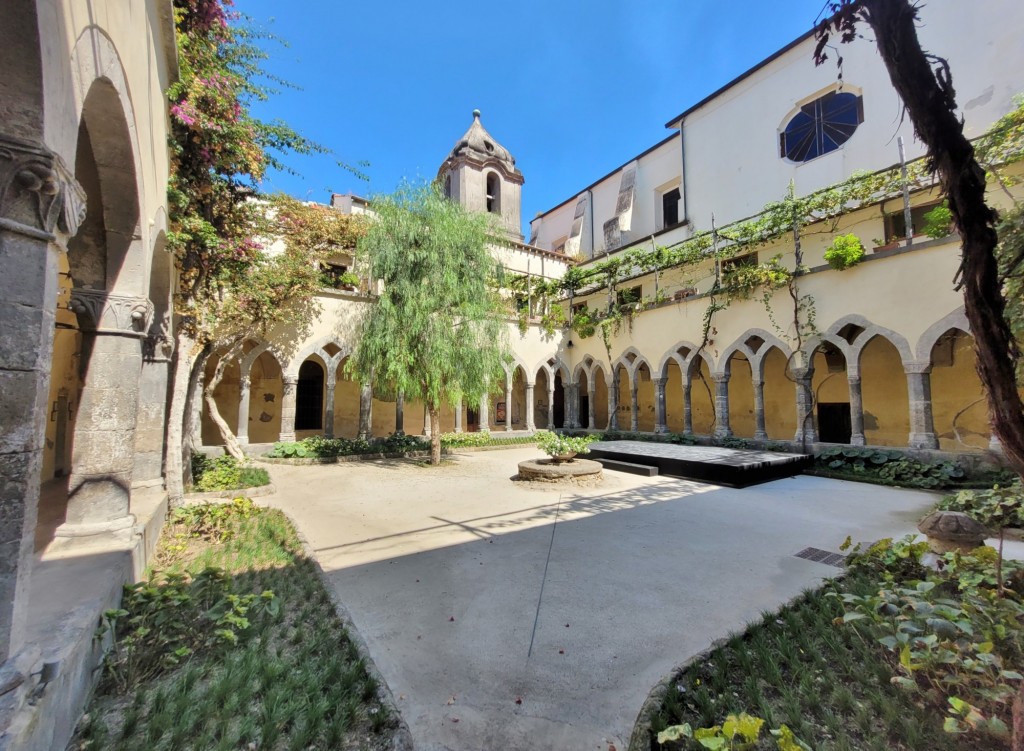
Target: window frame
(819, 123)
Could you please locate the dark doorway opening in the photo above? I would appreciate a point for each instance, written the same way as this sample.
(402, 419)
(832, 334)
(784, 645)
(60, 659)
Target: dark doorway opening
(309, 397)
(559, 397)
(472, 421)
(834, 425)
(585, 410)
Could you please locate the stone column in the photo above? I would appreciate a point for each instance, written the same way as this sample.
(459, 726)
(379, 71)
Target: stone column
(805, 430)
(919, 391)
(551, 408)
(151, 422)
(99, 486)
(508, 403)
(687, 409)
(613, 403)
(366, 412)
(329, 387)
(530, 425)
(288, 387)
(722, 429)
(400, 414)
(660, 416)
(856, 411)
(485, 418)
(760, 433)
(242, 431)
(41, 206)
(995, 445)
(591, 392)
(458, 417)
(426, 423)
(634, 407)
(572, 405)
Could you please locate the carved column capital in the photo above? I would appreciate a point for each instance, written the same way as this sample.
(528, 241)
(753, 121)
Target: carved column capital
(38, 194)
(101, 312)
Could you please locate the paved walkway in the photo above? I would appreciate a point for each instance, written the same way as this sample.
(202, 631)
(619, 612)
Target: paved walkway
(509, 617)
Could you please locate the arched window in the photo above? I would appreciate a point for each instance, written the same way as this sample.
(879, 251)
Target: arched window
(448, 185)
(309, 397)
(821, 126)
(493, 193)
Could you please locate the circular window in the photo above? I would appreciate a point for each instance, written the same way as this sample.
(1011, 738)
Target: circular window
(821, 126)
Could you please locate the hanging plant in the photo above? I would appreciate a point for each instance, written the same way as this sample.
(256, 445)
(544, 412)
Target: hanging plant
(844, 252)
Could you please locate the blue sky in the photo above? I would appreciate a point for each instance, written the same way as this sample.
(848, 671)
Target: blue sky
(572, 89)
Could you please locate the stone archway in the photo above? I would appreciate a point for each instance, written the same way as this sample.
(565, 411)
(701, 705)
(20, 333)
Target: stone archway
(105, 268)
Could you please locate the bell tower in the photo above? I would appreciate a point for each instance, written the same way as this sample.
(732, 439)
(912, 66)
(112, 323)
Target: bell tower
(481, 174)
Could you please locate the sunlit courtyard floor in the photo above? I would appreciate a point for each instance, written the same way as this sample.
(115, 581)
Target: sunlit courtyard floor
(514, 617)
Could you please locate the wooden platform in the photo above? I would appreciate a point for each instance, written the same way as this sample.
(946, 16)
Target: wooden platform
(735, 468)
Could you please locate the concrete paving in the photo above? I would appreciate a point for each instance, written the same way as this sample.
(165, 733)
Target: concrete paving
(506, 616)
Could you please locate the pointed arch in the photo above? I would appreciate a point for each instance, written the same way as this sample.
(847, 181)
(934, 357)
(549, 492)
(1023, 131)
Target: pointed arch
(955, 320)
(318, 346)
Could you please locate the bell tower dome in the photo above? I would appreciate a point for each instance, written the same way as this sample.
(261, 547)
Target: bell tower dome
(481, 174)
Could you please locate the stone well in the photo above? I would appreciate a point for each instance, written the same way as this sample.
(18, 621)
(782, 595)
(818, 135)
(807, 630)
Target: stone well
(548, 470)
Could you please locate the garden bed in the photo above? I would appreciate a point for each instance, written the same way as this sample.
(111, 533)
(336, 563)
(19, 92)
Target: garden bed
(833, 668)
(342, 459)
(235, 642)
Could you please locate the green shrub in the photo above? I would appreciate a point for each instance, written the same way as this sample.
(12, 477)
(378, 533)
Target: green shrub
(225, 473)
(844, 252)
(888, 467)
(1001, 506)
(938, 222)
(554, 444)
(319, 446)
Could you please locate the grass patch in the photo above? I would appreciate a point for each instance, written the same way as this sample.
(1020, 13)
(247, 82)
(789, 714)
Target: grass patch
(287, 676)
(797, 668)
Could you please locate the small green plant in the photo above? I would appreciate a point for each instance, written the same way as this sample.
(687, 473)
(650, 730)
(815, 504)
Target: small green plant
(485, 438)
(166, 620)
(555, 445)
(938, 222)
(737, 733)
(584, 323)
(225, 473)
(844, 252)
(213, 521)
(997, 508)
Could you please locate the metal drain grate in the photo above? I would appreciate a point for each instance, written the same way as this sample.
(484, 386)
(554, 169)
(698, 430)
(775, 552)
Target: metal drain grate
(822, 556)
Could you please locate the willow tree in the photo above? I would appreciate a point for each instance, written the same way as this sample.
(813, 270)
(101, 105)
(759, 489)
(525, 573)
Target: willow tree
(437, 331)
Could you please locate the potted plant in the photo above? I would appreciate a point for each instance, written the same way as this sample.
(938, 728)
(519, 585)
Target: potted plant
(348, 281)
(563, 448)
(844, 252)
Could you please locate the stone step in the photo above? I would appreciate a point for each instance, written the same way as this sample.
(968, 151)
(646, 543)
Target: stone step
(631, 467)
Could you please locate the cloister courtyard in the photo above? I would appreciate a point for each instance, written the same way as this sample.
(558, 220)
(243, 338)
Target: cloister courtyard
(510, 615)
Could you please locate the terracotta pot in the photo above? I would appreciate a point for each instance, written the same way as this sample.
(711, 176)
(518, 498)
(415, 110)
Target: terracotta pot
(567, 457)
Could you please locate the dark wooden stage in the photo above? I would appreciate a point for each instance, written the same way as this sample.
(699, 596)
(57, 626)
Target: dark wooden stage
(735, 468)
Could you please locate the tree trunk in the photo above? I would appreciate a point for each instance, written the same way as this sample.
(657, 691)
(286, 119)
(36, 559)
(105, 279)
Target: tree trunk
(928, 98)
(176, 445)
(231, 444)
(435, 435)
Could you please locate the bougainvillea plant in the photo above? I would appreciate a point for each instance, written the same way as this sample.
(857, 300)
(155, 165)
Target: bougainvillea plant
(228, 290)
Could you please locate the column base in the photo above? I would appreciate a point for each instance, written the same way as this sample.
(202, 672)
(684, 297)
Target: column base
(810, 436)
(287, 438)
(661, 429)
(923, 441)
(121, 529)
(722, 433)
(857, 439)
(760, 435)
